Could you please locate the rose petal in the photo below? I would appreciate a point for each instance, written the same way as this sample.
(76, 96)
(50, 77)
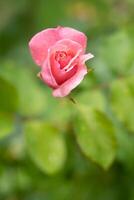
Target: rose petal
(70, 84)
(74, 35)
(86, 57)
(65, 45)
(41, 42)
(46, 75)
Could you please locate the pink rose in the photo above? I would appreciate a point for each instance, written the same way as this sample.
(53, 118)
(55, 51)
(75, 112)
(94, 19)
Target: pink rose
(60, 52)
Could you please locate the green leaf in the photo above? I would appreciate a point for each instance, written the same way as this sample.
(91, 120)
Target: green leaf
(114, 56)
(46, 146)
(8, 96)
(6, 124)
(31, 96)
(92, 98)
(120, 58)
(94, 131)
(96, 136)
(122, 100)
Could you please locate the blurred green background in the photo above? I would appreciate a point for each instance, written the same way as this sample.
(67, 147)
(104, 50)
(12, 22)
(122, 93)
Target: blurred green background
(52, 149)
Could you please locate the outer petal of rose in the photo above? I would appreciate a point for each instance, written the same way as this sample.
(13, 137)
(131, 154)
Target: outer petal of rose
(46, 75)
(40, 43)
(70, 84)
(86, 57)
(72, 34)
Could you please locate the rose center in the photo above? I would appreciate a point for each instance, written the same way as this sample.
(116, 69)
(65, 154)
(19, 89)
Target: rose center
(63, 58)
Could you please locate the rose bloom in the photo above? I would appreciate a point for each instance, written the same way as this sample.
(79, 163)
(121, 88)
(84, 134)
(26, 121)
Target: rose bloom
(60, 52)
